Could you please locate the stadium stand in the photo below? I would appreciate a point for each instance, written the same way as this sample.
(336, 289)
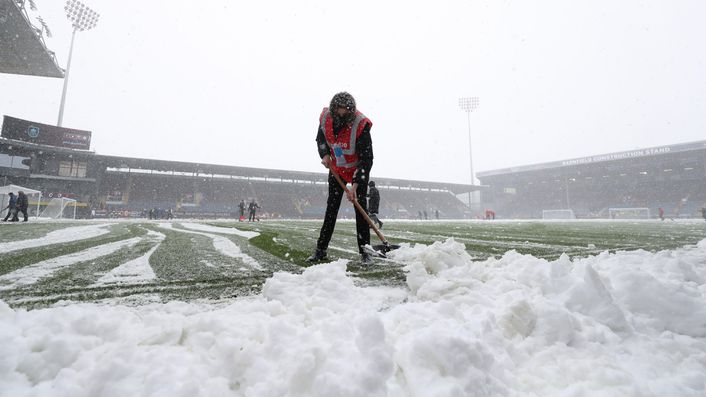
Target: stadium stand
(124, 186)
(670, 177)
(199, 196)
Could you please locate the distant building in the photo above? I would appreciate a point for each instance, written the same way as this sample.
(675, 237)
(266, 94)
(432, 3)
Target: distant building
(672, 177)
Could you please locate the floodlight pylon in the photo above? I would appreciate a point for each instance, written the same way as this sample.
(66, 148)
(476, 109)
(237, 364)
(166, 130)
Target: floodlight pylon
(82, 18)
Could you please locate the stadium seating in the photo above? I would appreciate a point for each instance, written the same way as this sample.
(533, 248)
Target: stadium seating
(199, 196)
(680, 198)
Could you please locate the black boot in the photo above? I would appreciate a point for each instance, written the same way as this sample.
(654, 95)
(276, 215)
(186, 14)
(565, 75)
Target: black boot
(317, 256)
(380, 227)
(366, 259)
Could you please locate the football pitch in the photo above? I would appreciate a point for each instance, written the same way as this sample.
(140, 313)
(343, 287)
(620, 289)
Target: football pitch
(139, 261)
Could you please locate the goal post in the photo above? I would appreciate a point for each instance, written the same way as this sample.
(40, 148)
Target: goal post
(629, 213)
(558, 214)
(60, 208)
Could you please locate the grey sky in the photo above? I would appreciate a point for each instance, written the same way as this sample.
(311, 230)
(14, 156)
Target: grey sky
(242, 83)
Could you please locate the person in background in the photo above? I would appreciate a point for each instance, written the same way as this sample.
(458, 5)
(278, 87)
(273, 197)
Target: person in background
(253, 208)
(241, 208)
(703, 212)
(374, 203)
(661, 213)
(11, 208)
(22, 205)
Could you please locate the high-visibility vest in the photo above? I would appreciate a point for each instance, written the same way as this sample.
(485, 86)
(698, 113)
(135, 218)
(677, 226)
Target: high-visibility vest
(344, 159)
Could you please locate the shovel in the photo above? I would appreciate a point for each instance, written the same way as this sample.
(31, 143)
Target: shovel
(380, 249)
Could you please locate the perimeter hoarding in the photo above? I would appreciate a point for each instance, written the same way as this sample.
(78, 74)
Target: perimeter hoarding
(44, 134)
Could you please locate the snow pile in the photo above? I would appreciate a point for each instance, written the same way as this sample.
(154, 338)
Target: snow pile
(624, 324)
(630, 323)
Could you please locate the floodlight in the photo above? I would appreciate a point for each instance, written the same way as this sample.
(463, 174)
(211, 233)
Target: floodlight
(82, 18)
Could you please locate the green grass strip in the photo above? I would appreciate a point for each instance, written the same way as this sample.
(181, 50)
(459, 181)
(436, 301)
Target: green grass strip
(266, 242)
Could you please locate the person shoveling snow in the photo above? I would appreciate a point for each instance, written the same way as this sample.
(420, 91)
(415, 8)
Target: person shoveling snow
(346, 149)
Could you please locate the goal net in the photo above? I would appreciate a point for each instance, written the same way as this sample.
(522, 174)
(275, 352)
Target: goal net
(60, 208)
(629, 213)
(558, 214)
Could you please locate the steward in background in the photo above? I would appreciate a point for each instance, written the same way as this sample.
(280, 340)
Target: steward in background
(253, 208)
(374, 203)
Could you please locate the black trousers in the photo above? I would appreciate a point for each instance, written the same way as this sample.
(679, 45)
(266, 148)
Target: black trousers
(374, 218)
(333, 203)
(10, 214)
(23, 211)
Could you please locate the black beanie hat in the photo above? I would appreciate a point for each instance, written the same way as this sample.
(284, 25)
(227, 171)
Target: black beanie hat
(343, 99)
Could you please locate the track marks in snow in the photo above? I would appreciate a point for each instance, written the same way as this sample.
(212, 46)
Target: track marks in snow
(216, 229)
(69, 234)
(221, 244)
(135, 271)
(31, 274)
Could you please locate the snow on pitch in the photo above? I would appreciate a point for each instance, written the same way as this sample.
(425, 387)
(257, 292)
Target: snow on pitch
(219, 229)
(135, 271)
(32, 273)
(221, 244)
(65, 235)
(624, 324)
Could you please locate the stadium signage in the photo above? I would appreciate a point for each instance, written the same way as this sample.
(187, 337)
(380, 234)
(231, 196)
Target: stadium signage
(44, 134)
(618, 156)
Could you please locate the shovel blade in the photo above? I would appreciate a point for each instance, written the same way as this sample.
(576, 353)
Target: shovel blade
(385, 248)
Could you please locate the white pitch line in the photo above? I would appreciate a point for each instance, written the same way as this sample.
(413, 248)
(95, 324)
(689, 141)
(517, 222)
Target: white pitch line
(32, 273)
(66, 235)
(135, 271)
(216, 229)
(221, 244)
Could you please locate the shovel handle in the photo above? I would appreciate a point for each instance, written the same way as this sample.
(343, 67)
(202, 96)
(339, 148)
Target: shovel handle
(360, 209)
